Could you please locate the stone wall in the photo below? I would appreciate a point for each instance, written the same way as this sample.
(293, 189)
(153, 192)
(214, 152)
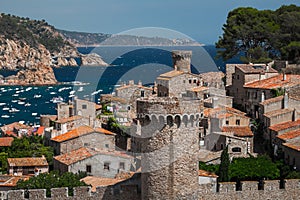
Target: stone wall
(227, 191)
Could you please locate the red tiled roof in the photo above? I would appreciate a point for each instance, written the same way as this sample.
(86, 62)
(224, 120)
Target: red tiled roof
(285, 125)
(289, 135)
(40, 130)
(272, 100)
(240, 131)
(170, 74)
(199, 89)
(250, 68)
(10, 180)
(69, 119)
(75, 156)
(6, 141)
(222, 112)
(82, 130)
(41, 161)
(275, 82)
(206, 173)
(277, 112)
(293, 145)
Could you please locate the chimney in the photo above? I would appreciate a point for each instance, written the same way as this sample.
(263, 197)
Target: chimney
(215, 102)
(284, 77)
(285, 100)
(295, 115)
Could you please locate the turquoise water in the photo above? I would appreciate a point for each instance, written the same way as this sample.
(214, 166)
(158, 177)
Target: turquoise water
(137, 63)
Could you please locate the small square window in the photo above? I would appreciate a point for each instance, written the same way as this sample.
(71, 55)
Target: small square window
(89, 169)
(122, 165)
(227, 122)
(106, 166)
(195, 81)
(190, 81)
(84, 106)
(106, 145)
(237, 122)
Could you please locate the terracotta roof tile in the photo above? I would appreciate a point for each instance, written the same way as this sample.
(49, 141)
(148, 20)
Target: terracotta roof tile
(6, 141)
(75, 156)
(285, 125)
(249, 68)
(275, 82)
(272, 100)
(69, 119)
(84, 153)
(295, 145)
(289, 135)
(171, 74)
(199, 89)
(240, 131)
(40, 130)
(223, 112)
(206, 173)
(77, 132)
(10, 180)
(41, 161)
(277, 112)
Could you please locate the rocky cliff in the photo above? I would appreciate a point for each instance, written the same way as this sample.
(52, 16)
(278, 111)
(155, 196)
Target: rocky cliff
(33, 47)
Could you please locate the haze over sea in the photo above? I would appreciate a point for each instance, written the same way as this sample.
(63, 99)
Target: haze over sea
(128, 63)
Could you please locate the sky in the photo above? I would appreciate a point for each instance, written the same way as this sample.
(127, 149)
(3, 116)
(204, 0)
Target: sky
(201, 20)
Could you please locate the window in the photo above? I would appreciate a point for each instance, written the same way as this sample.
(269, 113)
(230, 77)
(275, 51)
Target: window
(237, 122)
(183, 81)
(106, 166)
(84, 106)
(190, 81)
(89, 169)
(236, 149)
(195, 81)
(122, 165)
(106, 145)
(142, 93)
(238, 76)
(128, 107)
(227, 122)
(255, 95)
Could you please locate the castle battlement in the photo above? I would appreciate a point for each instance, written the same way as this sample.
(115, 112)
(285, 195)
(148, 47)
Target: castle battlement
(227, 190)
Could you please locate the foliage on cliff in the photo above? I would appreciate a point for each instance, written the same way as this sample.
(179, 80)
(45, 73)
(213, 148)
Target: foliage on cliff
(31, 32)
(262, 35)
(53, 180)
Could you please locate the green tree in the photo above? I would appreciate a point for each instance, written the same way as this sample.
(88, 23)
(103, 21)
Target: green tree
(52, 180)
(259, 35)
(253, 169)
(224, 166)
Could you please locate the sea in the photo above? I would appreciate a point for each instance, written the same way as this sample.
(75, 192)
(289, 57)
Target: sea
(25, 104)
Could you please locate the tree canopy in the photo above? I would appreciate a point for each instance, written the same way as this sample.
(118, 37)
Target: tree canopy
(53, 180)
(261, 35)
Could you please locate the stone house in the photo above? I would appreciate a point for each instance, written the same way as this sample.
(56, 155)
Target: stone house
(237, 75)
(261, 90)
(206, 177)
(9, 182)
(228, 127)
(291, 151)
(25, 166)
(284, 138)
(16, 129)
(96, 162)
(83, 136)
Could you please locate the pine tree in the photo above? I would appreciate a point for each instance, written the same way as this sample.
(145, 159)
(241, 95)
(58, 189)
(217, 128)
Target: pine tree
(224, 166)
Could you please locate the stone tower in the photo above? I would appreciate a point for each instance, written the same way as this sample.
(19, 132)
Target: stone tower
(169, 142)
(182, 60)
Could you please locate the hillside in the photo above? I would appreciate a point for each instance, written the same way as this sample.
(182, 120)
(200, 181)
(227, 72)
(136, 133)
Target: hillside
(32, 47)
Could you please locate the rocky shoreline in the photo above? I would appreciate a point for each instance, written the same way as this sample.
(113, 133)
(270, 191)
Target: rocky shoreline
(34, 65)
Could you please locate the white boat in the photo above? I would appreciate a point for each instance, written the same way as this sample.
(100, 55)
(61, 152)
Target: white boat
(80, 89)
(57, 99)
(21, 102)
(15, 95)
(50, 87)
(27, 89)
(5, 116)
(72, 92)
(2, 104)
(52, 92)
(72, 95)
(14, 101)
(37, 96)
(5, 108)
(27, 104)
(14, 110)
(34, 114)
(21, 122)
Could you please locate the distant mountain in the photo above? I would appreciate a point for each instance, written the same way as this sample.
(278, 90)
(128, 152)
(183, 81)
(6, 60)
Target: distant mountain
(102, 39)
